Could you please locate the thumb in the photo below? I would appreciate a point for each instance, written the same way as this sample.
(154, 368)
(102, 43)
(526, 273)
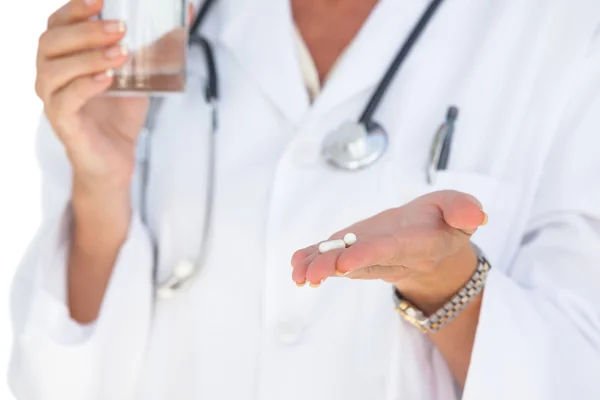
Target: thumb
(463, 212)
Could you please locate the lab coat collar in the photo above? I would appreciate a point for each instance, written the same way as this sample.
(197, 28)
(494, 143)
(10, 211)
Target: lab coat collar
(260, 35)
(366, 59)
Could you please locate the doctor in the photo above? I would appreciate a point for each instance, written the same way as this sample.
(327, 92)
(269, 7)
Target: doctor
(526, 78)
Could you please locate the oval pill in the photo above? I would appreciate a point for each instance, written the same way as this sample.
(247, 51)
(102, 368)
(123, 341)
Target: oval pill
(329, 245)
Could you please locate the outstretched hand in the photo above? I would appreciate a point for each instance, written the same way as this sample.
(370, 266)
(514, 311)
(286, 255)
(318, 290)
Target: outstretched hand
(398, 243)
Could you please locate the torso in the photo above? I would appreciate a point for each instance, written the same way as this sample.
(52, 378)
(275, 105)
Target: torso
(245, 331)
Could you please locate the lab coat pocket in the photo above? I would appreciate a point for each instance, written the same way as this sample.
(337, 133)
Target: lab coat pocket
(499, 198)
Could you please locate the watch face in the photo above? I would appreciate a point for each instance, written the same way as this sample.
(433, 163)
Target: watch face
(413, 315)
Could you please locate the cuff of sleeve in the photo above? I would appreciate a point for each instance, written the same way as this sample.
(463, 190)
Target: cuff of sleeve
(512, 354)
(49, 311)
(500, 339)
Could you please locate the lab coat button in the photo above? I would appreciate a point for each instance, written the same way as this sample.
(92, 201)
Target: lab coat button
(289, 331)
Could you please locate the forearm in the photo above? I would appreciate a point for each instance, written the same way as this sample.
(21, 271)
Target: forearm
(100, 226)
(455, 340)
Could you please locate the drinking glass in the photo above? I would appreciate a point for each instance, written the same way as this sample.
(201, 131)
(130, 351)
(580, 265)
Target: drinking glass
(156, 41)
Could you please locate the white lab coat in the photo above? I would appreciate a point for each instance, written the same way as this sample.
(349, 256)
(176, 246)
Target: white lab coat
(526, 77)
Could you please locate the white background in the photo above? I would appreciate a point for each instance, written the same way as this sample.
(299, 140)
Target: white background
(21, 23)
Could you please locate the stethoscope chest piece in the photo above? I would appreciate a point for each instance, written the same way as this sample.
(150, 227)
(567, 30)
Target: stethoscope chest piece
(182, 274)
(355, 146)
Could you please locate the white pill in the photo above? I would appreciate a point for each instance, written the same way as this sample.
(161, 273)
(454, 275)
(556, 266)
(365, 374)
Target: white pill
(329, 245)
(349, 239)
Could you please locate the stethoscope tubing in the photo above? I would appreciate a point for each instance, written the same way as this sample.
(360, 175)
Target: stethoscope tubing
(206, 6)
(384, 84)
(175, 282)
(183, 276)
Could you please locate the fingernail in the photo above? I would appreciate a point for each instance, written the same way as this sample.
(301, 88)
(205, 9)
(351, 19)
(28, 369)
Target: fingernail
(114, 27)
(110, 73)
(340, 273)
(116, 51)
(315, 285)
(300, 284)
(485, 219)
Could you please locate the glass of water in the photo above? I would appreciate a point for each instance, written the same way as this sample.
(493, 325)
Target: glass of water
(156, 40)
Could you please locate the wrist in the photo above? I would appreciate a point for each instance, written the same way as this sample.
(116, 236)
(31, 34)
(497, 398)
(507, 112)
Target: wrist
(96, 184)
(95, 176)
(430, 291)
(100, 219)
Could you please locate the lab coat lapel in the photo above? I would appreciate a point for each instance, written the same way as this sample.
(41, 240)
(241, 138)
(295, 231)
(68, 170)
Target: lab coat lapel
(260, 36)
(369, 55)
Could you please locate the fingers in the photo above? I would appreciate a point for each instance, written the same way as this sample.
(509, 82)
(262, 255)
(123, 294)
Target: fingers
(300, 255)
(301, 266)
(75, 11)
(379, 257)
(76, 94)
(311, 266)
(75, 48)
(323, 266)
(366, 253)
(56, 74)
(68, 39)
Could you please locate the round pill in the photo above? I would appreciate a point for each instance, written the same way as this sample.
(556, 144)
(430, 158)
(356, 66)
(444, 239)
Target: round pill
(349, 239)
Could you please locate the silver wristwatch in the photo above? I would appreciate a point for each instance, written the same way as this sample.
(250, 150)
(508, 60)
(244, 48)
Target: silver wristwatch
(452, 308)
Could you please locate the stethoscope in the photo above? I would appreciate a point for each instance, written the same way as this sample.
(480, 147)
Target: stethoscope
(351, 147)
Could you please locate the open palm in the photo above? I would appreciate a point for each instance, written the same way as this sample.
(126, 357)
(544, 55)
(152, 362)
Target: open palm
(397, 242)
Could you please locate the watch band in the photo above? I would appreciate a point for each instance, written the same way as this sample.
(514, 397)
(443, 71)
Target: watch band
(452, 308)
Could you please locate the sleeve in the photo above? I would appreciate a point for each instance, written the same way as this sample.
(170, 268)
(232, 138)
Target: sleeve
(539, 330)
(53, 357)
